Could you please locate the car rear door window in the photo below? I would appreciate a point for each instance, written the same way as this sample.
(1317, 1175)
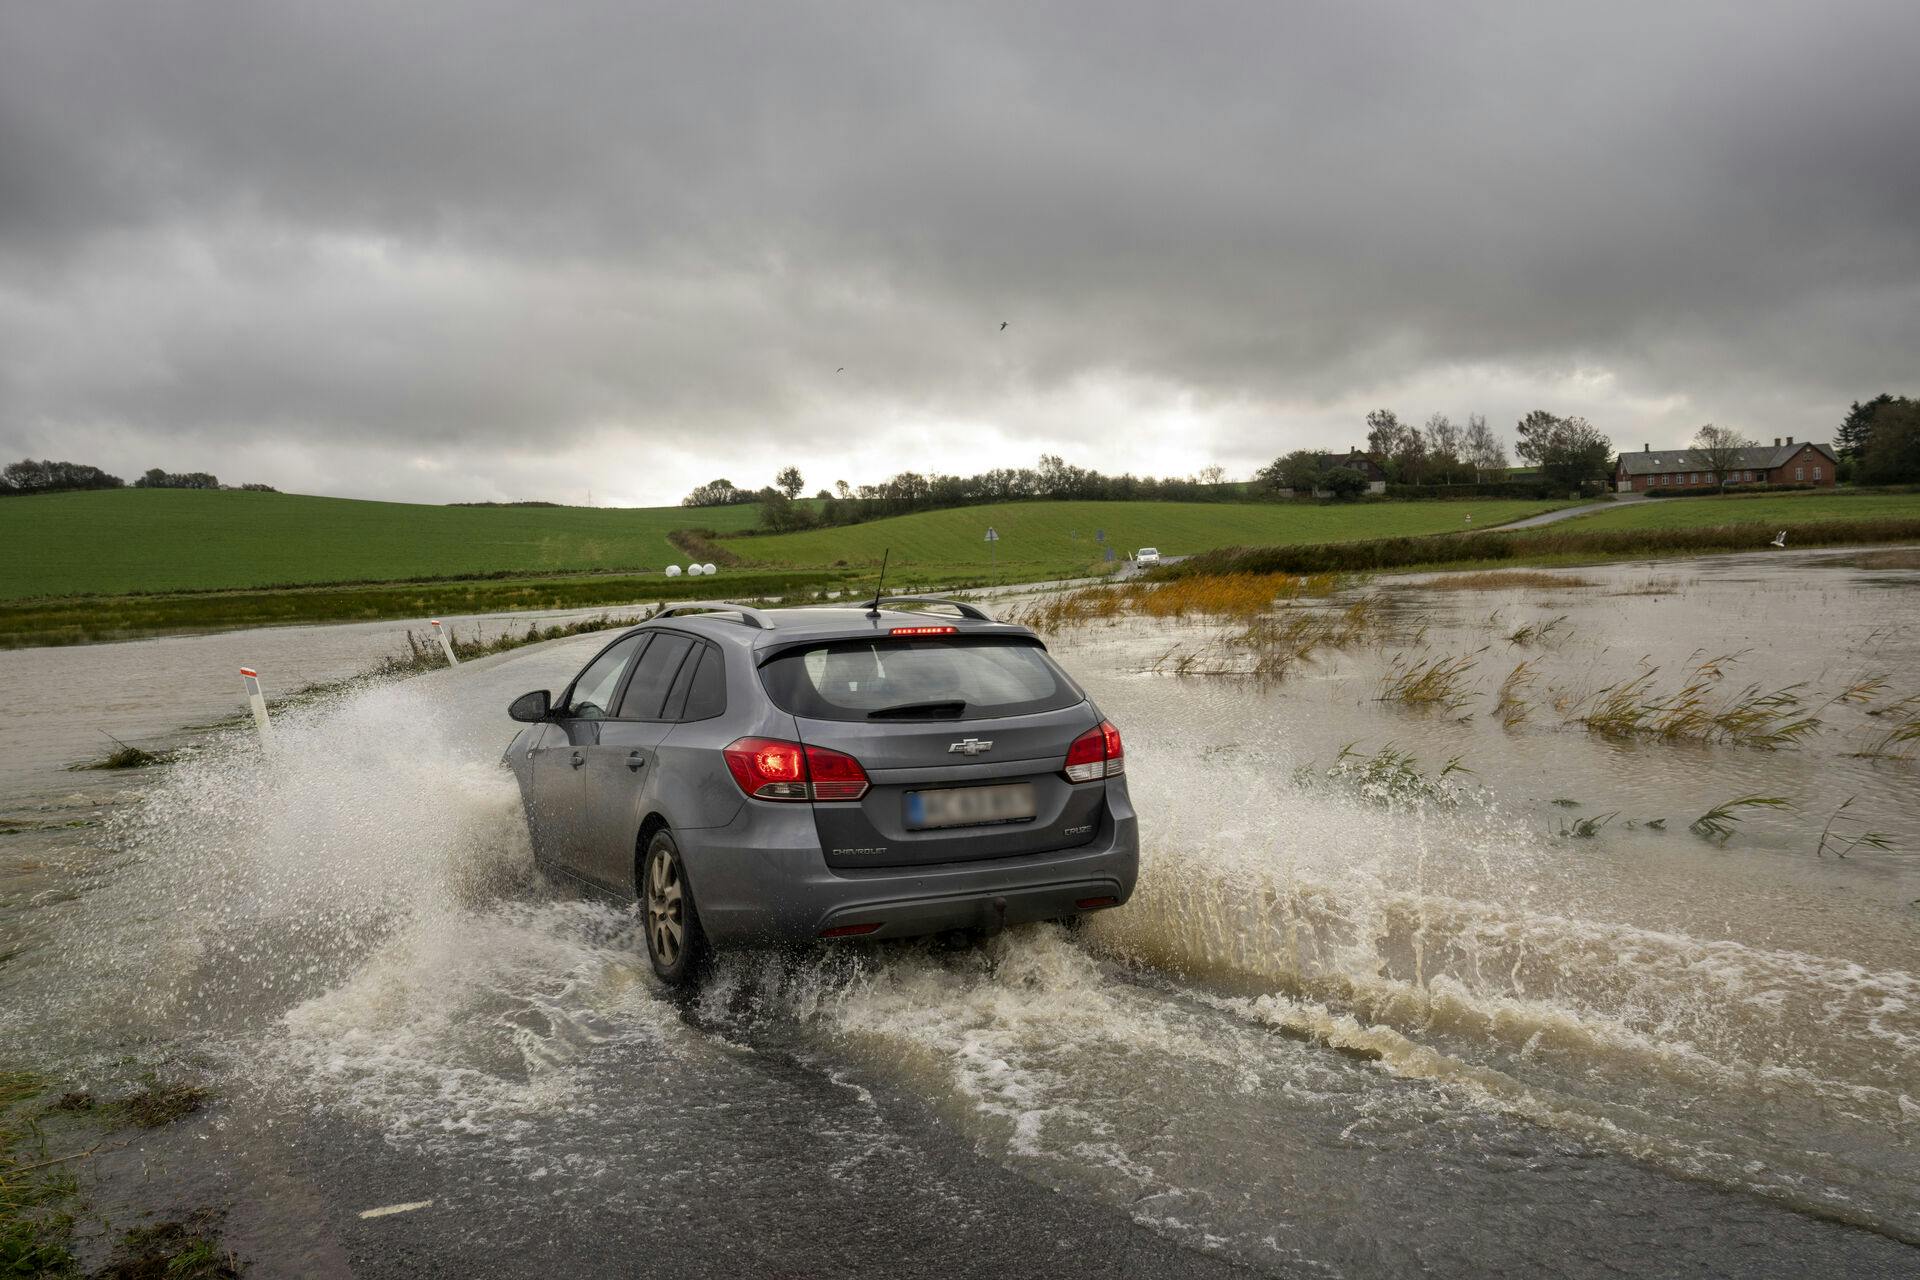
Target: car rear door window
(707, 696)
(676, 704)
(654, 676)
(960, 679)
(594, 688)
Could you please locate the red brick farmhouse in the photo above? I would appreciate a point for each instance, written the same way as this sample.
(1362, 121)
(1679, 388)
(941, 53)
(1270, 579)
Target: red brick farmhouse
(1676, 470)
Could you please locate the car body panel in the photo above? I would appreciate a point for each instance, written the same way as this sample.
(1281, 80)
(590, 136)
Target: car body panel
(765, 871)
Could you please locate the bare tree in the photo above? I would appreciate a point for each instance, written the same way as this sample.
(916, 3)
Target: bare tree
(1718, 449)
(1443, 444)
(1483, 450)
(1214, 474)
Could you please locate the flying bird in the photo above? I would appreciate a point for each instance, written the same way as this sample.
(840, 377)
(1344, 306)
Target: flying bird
(1003, 326)
(1780, 539)
(841, 369)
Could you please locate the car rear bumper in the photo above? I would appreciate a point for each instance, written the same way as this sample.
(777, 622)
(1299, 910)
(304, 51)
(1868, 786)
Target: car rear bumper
(763, 879)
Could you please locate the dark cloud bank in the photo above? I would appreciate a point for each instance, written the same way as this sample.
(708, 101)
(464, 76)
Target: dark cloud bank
(445, 251)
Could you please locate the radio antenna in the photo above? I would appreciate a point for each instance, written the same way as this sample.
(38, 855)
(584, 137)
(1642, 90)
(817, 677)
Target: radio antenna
(878, 587)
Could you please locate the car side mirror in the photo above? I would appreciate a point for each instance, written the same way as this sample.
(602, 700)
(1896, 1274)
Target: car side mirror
(532, 708)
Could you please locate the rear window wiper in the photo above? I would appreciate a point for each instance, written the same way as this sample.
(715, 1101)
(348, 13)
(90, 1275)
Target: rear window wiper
(950, 707)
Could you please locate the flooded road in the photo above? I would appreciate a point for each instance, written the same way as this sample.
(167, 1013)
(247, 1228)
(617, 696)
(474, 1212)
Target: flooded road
(1358, 1020)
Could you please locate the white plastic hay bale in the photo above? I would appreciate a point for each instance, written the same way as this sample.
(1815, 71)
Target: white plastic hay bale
(708, 569)
(673, 571)
(694, 571)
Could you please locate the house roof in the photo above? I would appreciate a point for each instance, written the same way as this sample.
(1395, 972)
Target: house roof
(1762, 457)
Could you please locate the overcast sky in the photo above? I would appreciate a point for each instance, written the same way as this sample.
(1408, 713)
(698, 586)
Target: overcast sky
(438, 251)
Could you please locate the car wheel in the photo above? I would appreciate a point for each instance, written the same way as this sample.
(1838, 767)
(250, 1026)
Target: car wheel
(675, 943)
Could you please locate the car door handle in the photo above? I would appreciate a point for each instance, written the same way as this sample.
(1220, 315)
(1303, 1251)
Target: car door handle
(636, 761)
(578, 759)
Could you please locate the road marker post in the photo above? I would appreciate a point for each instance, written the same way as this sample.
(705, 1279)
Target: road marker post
(446, 642)
(250, 680)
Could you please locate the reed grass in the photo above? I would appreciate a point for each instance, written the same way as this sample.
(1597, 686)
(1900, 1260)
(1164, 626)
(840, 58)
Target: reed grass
(1511, 705)
(1753, 717)
(1717, 824)
(1429, 683)
(1843, 844)
(1541, 634)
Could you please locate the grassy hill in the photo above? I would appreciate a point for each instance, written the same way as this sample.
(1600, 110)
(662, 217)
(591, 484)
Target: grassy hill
(1044, 539)
(185, 539)
(1771, 510)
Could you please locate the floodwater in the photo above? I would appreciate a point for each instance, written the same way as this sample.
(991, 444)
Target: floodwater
(1352, 1023)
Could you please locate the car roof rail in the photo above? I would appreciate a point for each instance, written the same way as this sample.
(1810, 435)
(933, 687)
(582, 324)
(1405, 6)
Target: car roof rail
(966, 610)
(748, 614)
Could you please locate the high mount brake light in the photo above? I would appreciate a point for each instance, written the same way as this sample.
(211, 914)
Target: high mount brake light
(1095, 754)
(924, 631)
(770, 769)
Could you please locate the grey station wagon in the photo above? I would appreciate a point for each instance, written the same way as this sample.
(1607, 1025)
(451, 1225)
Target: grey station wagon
(766, 776)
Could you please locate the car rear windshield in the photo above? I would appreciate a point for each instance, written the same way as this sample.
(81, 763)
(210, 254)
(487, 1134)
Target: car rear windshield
(962, 678)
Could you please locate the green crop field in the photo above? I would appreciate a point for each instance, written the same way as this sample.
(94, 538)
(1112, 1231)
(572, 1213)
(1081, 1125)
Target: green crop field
(1044, 539)
(184, 539)
(1770, 509)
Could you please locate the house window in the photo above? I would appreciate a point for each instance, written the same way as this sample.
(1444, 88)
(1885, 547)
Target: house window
(1816, 473)
(1799, 473)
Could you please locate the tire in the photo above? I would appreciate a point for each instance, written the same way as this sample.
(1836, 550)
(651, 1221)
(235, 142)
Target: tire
(676, 944)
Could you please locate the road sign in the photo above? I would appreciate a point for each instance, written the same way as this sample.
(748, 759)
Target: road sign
(993, 535)
(1100, 535)
(1109, 553)
(993, 539)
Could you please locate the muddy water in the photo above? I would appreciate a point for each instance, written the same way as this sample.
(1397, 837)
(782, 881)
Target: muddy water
(1337, 1032)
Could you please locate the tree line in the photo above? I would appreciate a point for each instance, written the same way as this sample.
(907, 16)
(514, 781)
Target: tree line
(30, 475)
(910, 491)
(1569, 452)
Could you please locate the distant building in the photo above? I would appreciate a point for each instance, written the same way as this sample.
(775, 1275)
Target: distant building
(1674, 470)
(1352, 460)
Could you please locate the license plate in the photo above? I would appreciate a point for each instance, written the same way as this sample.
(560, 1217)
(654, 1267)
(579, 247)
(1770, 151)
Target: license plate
(970, 806)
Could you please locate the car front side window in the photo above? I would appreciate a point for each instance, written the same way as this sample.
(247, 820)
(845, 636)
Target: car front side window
(593, 691)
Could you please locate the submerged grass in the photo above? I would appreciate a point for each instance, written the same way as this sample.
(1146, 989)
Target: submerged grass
(1388, 776)
(1503, 580)
(36, 1188)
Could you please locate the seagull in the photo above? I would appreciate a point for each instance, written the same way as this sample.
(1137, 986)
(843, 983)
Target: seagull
(841, 369)
(1780, 539)
(1003, 326)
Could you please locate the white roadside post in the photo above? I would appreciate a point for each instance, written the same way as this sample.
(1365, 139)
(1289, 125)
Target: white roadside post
(993, 553)
(251, 680)
(446, 642)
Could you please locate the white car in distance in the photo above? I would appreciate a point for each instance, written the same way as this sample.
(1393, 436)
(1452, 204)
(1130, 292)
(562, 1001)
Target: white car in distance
(1147, 555)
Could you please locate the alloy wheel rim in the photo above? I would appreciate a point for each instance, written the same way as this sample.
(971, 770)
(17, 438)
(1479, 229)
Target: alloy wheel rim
(665, 907)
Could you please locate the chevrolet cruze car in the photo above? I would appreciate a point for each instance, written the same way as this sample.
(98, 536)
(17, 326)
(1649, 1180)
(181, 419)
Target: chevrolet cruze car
(864, 772)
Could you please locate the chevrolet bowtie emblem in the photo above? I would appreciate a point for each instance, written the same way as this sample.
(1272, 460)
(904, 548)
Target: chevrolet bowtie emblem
(970, 747)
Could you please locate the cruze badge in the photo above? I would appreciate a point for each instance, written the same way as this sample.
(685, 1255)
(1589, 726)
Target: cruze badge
(970, 747)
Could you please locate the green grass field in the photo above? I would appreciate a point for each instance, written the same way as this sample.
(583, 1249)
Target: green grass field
(184, 539)
(1770, 509)
(1049, 539)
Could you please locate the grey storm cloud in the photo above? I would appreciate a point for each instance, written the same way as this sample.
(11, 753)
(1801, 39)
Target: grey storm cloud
(480, 236)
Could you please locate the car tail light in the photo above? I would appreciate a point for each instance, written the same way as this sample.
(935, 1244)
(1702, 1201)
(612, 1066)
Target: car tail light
(850, 930)
(924, 631)
(769, 769)
(1096, 904)
(1097, 753)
